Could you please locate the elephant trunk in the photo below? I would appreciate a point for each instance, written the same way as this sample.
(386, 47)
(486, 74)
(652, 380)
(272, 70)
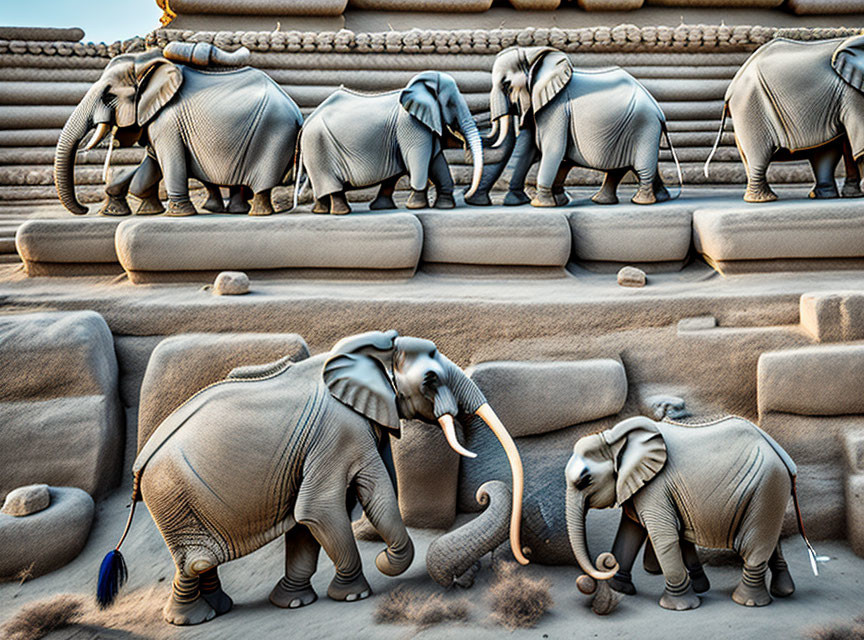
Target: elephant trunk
(76, 127)
(575, 514)
(452, 555)
(397, 557)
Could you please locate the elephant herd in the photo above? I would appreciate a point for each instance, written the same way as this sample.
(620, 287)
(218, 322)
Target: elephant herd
(289, 448)
(201, 114)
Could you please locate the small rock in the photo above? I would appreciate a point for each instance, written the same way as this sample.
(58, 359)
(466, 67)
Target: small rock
(631, 277)
(698, 323)
(26, 500)
(231, 283)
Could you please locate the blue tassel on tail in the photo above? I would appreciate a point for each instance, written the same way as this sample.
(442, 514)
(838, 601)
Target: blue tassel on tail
(112, 575)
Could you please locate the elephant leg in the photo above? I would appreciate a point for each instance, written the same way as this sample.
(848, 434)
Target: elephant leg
(646, 174)
(650, 564)
(338, 204)
(115, 194)
(321, 205)
(751, 591)
(418, 199)
(439, 174)
(173, 158)
(214, 203)
(824, 162)
(301, 559)
(782, 584)
(550, 164)
(558, 192)
(145, 186)
(679, 594)
(852, 184)
(628, 541)
(238, 199)
(661, 193)
(384, 199)
(211, 591)
(261, 204)
(526, 155)
(698, 579)
(185, 605)
(756, 160)
(608, 193)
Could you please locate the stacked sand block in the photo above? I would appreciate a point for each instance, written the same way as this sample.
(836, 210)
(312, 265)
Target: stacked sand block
(833, 316)
(42, 528)
(182, 365)
(198, 248)
(68, 246)
(854, 449)
(493, 242)
(826, 7)
(810, 401)
(781, 236)
(59, 403)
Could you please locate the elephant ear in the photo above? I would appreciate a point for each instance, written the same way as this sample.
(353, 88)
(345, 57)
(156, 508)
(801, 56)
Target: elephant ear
(158, 80)
(640, 454)
(356, 375)
(420, 99)
(848, 61)
(547, 76)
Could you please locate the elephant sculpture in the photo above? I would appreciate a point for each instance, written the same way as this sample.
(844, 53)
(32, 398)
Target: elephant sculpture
(283, 448)
(723, 484)
(355, 140)
(601, 119)
(795, 100)
(233, 128)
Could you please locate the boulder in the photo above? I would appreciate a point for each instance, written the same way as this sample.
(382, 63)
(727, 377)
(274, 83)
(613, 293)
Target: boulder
(631, 277)
(25, 501)
(231, 283)
(48, 539)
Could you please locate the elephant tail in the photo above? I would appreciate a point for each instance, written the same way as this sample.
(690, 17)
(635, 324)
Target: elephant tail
(675, 158)
(811, 552)
(719, 135)
(112, 571)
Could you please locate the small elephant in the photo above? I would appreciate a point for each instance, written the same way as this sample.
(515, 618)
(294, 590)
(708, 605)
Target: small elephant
(723, 484)
(794, 100)
(600, 119)
(355, 140)
(230, 128)
(280, 449)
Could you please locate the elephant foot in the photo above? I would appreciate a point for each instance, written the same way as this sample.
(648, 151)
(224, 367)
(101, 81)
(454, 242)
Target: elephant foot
(417, 200)
(759, 194)
(479, 199)
(821, 193)
(444, 201)
(188, 613)
(699, 580)
(561, 198)
(320, 207)
(851, 189)
(350, 590)
(214, 204)
(751, 591)
(604, 197)
(544, 198)
(622, 584)
(782, 585)
(115, 207)
(288, 597)
(515, 198)
(662, 194)
(238, 206)
(180, 208)
(339, 205)
(261, 205)
(382, 202)
(680, 598)
(644, 196)
(150, 206)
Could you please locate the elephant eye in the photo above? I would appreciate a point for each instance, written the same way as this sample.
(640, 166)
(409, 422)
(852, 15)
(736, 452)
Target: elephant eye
(584, 481)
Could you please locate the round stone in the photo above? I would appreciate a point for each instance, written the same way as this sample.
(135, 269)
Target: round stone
(631, 277)
(231, 283)
(26, 500)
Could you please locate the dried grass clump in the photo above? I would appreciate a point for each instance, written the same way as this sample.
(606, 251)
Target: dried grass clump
(852, 631)
(517, 600)
(38, 619)
(402, 606)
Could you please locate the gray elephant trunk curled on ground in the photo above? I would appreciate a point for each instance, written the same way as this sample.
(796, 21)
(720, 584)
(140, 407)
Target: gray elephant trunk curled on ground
(79, 123)
(576, 531)
(454, 553)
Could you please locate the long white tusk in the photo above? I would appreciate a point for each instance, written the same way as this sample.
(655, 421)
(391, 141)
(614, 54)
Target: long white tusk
(446, 422)
(108, 159)
(505, 127)
(516, 128)
(101, 129)
(494, 131)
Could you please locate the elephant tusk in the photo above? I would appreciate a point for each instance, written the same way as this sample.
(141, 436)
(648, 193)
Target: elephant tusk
(502, 135)
(101, 130)
(446, 422)
(108, 159)
(488, 416)
(494, 131)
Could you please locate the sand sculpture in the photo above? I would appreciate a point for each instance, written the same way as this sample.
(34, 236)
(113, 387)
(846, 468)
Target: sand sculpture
(569, 321)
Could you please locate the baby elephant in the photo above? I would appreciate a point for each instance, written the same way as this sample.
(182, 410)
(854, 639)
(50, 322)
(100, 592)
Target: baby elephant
(354, 140)
(722, 485)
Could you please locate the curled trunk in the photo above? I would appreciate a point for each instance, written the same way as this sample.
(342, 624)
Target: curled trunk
(452, 555)
(576, 531)
(76, 127)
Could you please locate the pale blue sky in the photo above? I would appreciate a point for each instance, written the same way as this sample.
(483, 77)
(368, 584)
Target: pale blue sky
(102, 20)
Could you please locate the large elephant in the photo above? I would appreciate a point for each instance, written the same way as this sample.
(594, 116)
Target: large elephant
(281, 448)
(354, 140)
(795, 100)
(232, 128)
(601, 119)
(722, 484)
